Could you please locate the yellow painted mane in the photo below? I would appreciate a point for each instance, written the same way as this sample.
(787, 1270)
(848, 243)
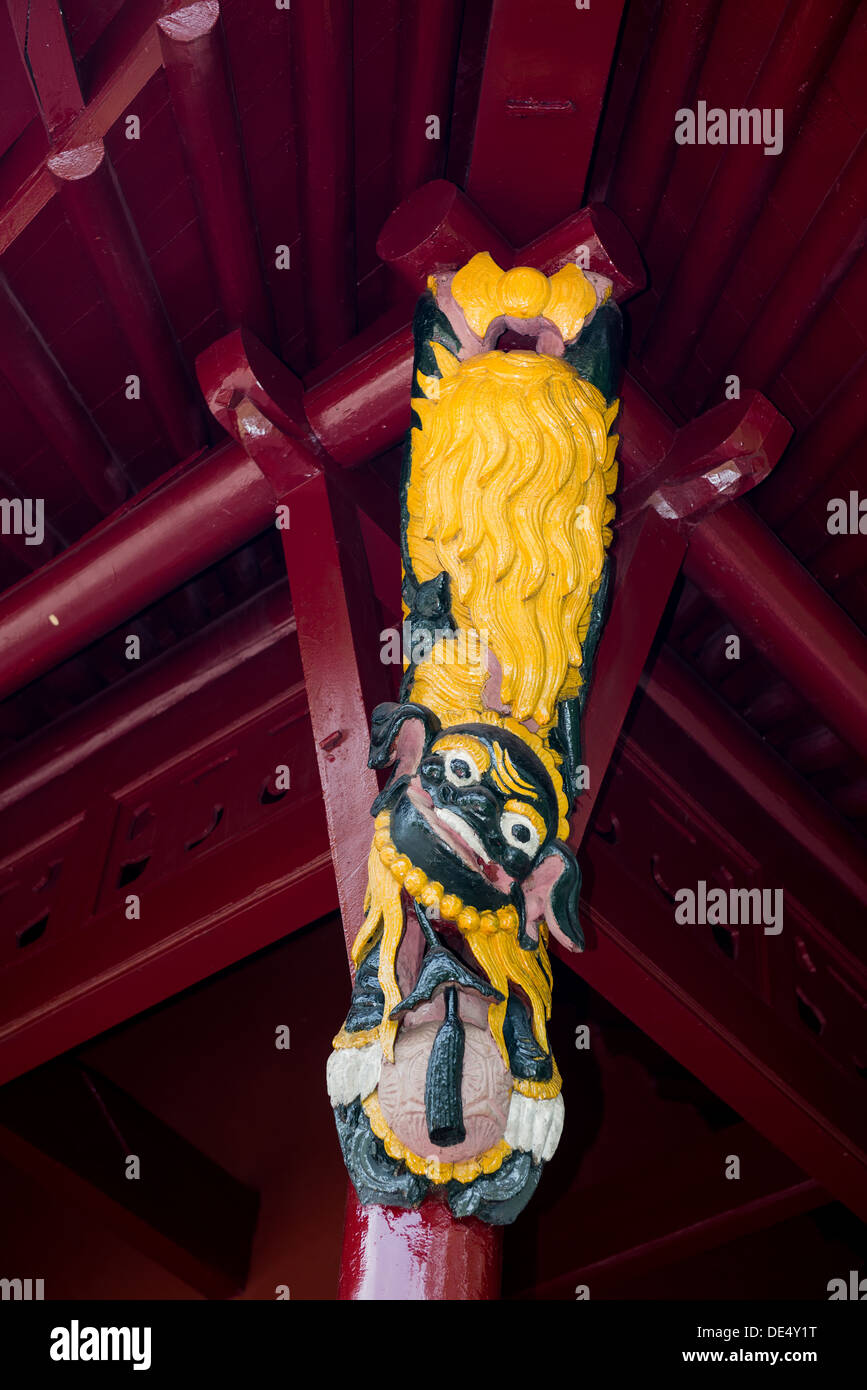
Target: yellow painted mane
(512, 471)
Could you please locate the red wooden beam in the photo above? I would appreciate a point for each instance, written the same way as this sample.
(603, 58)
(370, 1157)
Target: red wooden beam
(338, 638)
(94, 203)
(808, 35)
(672, 988)
(322, 50)
(201, 909)
(27, 557)
(41, 385)
(362, 409)
(127, 706)
(72, 1130)
(155, 543)
(194, 56)
(647, 150)
(718, 456)
(645, 1219)
(757, 769)
(122, 61)
(45, 53)
(833, 242)
(739, 563)
(427, 61)
(546, 70)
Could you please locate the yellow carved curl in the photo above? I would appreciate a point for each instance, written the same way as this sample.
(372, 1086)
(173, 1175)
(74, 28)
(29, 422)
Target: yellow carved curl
(485, 292)
(509, 493)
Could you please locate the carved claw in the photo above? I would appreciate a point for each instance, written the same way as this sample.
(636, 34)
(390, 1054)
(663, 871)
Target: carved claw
(352, 1073)
(535, 1125)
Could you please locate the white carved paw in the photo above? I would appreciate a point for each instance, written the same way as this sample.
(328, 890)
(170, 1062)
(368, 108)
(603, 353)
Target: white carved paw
(353, 1072)
(535, 1125)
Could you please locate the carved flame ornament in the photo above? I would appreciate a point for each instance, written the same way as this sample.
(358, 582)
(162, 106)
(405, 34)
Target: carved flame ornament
(442, 1078)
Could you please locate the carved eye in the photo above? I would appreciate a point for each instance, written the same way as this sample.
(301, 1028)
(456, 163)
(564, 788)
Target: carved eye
(461, 769)
(519, 832)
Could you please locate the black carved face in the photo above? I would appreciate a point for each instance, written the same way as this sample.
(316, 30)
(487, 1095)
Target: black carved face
(492, 791)
(477, 813)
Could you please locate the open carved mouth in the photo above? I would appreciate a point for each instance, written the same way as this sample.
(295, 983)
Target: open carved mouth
(464, 832)
(453, 830)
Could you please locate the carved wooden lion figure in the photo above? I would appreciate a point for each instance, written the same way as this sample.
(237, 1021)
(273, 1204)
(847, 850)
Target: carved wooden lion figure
(442, 1078)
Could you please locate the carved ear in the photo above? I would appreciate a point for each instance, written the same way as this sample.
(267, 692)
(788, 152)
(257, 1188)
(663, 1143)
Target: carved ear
(399, 734)
(551, 891)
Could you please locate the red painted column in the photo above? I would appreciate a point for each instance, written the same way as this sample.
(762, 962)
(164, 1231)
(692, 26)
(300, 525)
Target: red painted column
(387, 1253)
(418, 1256)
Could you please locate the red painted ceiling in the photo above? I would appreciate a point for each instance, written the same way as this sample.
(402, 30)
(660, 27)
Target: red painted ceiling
(755, 267)
(754, 262)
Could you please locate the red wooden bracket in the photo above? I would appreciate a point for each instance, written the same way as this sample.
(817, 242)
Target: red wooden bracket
(439, 228)
(714, 459)
(240, 365)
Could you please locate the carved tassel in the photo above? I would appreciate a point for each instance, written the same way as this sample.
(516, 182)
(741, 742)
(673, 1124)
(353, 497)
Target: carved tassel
(445, 1069)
